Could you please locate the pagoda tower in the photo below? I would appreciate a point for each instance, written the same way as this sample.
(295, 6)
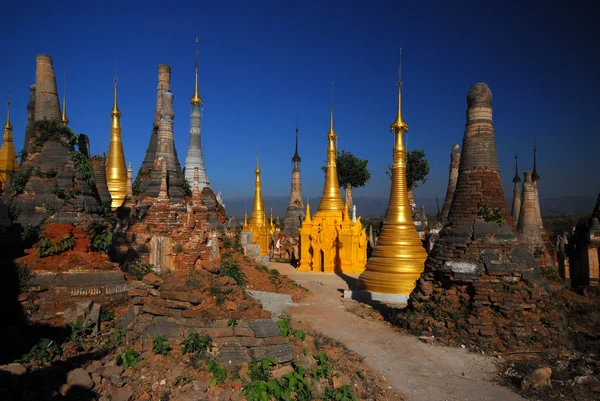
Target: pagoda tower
(535, 178)
(258, 224)
(452, 177)
(116, 172)
(398, 258)
(516, 205)
(194, 158)
(477, 267)
(8, 156)
(295, 210)
(330, 241)
(29, 127)
(47, 104)
(528, 226)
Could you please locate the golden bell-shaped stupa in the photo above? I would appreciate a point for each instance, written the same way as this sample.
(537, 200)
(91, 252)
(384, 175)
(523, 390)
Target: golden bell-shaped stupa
(116, 172)
(258, 225)
(398, 259)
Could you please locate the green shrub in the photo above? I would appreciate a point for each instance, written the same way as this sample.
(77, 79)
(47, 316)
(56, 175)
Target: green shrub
(195, 344)
(44, 351)
(490, 215)
(128, 359)
(218, 371)
(83, 165)
(138, 270)
(102, 241)
(285, 324)
(107, 316)
(186, 187)
(20, 179)
(23, 276)
(234, 271)
(161, 346)
(344, 393)
(48, 248)
(323, 369)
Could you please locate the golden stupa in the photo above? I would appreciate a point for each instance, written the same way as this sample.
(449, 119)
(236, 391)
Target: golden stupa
(116, 171)
(398, 259)
(8, 156)
(330, 241)
(258, 224)
(64, 118)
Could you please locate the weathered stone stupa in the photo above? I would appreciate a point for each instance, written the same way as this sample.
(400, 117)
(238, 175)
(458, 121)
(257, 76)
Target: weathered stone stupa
(150, 179)
(116, 173)
(47, 105)
(56, 182)
(8, 155)
(528, 226)
(452, 177)
(295, 210)
(194, 158)
(398, 258)
(258, 225)
(516, 205)
(30, 116)
(330, 241)
(478, 277)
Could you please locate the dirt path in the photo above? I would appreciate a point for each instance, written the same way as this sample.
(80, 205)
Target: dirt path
(423, 372)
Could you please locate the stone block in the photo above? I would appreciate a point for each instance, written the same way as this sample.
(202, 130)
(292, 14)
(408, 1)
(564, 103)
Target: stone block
(265, 328)
(464, 270)
(233, 356)
(181, 296)
(282, 352)
(220, 332)
(161, 328)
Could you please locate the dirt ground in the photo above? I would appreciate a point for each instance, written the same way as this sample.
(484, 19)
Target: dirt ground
(424, 372)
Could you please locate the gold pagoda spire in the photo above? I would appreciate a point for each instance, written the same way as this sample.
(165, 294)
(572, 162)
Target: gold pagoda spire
(7, 127)
(196, 100)
(8, 154)
(116, 171)
(64, 118)
(399, 122)
(331, 200)
(398, 259)
(258, 217)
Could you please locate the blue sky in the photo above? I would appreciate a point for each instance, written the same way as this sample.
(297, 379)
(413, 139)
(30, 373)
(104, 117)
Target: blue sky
(265, 64)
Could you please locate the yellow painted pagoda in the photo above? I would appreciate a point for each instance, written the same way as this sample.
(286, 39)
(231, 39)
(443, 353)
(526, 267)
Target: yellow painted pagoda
(398, 259)
(330, 241)
(8, 156)
(116, 171)
(258, 225)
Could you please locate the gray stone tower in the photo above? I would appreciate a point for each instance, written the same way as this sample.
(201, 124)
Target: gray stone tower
(295, 211)
(452, 177)
(47, 105)
(516, 206)
(30, 116)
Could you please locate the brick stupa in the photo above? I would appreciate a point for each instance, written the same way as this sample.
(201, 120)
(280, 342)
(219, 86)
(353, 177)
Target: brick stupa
(478, 278)
(452, 177)
(53, 186)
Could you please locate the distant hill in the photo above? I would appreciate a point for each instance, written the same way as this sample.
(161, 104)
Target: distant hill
(367, 206)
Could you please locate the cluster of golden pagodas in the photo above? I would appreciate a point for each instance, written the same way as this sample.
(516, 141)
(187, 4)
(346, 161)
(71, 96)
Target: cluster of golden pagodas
(332, 242)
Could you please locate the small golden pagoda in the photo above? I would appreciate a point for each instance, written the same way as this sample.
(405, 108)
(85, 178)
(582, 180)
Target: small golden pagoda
(330, 241)
(116, 171)
(8, 156)
(398, 259)
(258, 225)
(64, 118)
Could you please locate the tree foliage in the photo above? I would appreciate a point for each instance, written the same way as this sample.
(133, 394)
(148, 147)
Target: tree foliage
(417, 168)
(352, 171)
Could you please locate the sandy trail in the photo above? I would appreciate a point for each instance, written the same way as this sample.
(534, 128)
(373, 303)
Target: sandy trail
(422, 371)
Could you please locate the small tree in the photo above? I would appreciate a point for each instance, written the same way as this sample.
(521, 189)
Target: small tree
(417, 168)
(352, 173)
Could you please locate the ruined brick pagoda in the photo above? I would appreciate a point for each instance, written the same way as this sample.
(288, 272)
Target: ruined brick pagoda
(479, 281)
(452, 177)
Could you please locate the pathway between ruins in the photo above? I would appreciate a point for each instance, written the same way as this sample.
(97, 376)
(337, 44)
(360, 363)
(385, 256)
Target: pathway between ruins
(422, 371)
